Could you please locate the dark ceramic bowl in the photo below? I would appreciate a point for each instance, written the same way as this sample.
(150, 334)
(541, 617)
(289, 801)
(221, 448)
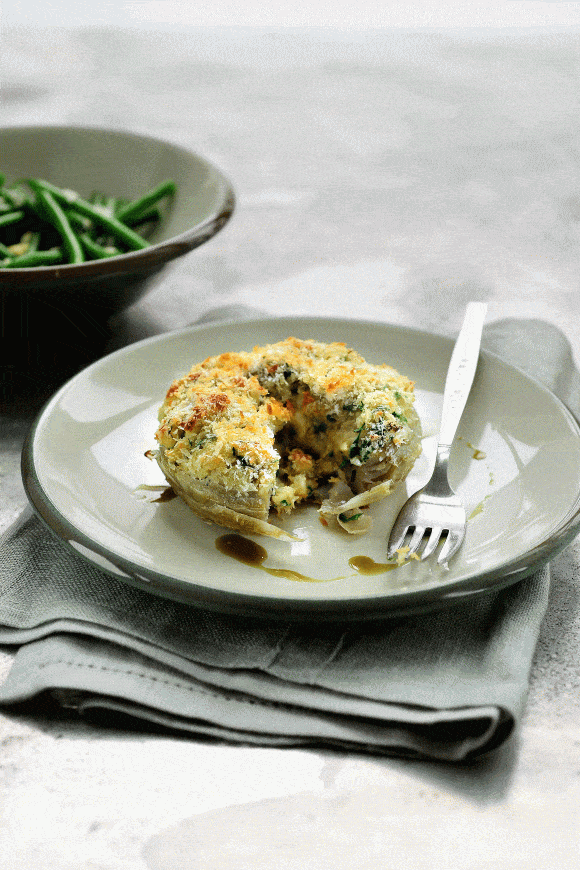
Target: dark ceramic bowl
(121, 164)
(54, 320)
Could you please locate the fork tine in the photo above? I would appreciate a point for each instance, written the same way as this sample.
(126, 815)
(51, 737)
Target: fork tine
(416, 539)
(431, 544)
(451, 545)
(397, 537)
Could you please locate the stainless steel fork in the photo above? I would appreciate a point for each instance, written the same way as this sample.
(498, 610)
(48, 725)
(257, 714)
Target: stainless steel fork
(436, 509)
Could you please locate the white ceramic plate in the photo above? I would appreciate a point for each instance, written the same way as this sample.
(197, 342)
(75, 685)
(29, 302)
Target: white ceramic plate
(515, 462)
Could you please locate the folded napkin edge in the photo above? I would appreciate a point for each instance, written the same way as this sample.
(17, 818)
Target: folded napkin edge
(72, 639)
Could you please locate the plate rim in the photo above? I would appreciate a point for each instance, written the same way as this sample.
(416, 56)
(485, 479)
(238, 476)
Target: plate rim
(349, 609)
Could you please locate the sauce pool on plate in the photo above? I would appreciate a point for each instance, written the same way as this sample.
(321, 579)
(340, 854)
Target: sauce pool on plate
(237, 547)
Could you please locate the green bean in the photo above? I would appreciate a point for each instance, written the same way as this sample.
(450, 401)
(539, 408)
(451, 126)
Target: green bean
(120, 202)
(98, 252)
(150, 216)
(70, 228)
(118, 230)
(79, 222)
(59, 220)
(36, 258)
(135, 209)
(11, 218)
(75, 202)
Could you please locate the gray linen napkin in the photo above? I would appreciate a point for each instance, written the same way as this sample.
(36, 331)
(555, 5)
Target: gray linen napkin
(447, 685)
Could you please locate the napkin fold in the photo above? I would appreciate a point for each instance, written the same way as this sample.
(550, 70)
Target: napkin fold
(447, 685)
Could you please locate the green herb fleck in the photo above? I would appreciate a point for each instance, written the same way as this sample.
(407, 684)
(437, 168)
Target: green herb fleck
(356, 443)
(203, 440)
(344, 518)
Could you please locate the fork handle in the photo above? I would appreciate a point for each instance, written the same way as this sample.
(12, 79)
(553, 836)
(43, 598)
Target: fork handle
(461, 371)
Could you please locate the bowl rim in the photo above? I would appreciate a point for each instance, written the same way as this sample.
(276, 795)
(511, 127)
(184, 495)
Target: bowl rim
(133, 261)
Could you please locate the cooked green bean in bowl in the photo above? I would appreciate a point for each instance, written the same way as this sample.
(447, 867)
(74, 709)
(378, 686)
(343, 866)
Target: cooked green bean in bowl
(41, 224)
(89, 216)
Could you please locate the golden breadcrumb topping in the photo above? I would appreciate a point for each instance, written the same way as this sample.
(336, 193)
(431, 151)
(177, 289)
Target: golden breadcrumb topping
(275, 424)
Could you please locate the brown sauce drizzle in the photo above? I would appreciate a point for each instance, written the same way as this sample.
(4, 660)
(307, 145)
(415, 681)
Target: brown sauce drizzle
(367, 566)
(242, 549)
(250, 553)
(166, 495)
